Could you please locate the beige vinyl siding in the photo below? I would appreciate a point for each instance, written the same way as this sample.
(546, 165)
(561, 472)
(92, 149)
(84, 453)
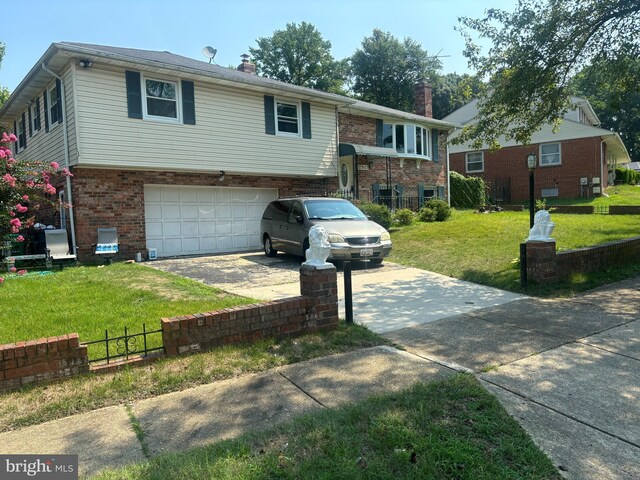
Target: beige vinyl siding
(229, 133)
(49, 146)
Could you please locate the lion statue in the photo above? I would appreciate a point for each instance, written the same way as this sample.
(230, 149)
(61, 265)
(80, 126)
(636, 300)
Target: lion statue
(542, 227)
(319, 246)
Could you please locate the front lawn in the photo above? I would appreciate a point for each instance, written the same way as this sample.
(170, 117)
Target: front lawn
(484, 248)
(615, 195)
(88, 300)
(453, 429)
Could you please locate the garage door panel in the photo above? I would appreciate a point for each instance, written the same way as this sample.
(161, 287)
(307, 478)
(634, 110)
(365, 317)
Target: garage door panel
(186, 220)
(170, 211)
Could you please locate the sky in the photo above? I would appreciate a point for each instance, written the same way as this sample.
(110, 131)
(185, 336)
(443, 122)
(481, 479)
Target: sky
(184, 27)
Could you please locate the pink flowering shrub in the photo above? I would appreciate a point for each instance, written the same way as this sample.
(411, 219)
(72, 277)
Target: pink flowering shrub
(23, 184)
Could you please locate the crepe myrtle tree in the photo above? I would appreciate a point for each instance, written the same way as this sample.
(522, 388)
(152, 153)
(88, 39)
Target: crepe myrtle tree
(24, 185)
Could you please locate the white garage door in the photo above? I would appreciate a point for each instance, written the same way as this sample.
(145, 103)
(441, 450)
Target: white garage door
(183, 220)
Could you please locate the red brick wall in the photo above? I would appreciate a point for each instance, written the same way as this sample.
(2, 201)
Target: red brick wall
(360, 130)
(580, 158)
(545, 265)
(36, 361)
(115, 198)
(316, 309)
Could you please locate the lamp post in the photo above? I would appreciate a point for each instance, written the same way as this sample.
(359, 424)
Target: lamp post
(532, 160)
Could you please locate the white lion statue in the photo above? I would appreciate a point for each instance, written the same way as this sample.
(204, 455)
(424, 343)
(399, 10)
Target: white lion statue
(319, 246)
(542, 227)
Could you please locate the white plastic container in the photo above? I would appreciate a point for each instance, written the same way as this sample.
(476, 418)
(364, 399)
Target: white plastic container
(138, 257)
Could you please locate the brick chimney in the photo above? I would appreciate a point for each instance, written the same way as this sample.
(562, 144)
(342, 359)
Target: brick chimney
(246, 66)
(424, 100)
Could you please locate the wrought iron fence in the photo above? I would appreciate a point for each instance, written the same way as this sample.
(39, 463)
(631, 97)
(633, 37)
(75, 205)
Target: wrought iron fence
(124, 345)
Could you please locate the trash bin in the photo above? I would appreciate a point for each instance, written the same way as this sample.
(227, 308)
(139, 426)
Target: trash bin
(17, 248)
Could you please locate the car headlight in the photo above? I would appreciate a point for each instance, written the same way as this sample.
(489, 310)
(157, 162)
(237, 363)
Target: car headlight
(335, 238)
(385, 237)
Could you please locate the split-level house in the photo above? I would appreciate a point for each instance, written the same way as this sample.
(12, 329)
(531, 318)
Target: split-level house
(577, 160)
(183, 156)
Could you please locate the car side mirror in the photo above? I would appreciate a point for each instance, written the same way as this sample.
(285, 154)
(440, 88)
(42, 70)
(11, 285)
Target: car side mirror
(299, 219)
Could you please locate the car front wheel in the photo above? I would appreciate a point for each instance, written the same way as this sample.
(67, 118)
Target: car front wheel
(268, 247)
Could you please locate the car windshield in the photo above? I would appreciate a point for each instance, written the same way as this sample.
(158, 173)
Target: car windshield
(333, 210)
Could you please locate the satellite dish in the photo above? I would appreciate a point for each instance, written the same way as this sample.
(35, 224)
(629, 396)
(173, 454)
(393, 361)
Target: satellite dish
(209, 52)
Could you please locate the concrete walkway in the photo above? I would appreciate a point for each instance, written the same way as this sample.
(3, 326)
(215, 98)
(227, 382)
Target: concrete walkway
(567, 370)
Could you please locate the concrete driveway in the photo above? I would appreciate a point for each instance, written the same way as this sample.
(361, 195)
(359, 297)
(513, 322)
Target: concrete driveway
(385, 297)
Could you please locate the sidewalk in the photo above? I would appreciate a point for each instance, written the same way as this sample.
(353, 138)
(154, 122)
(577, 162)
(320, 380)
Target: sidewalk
(567, 370)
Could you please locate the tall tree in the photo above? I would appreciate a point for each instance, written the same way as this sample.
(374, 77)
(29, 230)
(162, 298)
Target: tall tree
(451, 91)
(299, 55)
(615, 99)
(536, 50)
(4, 91)
(385, 70)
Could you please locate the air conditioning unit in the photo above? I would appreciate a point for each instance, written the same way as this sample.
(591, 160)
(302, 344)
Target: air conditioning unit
(583, 181)
(595, 180)
(596, 189)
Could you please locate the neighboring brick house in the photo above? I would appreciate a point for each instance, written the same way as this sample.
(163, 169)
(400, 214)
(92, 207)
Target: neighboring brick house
(181, 155)
(578, 160)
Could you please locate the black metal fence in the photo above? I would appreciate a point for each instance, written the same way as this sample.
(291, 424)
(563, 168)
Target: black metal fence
(113, 348)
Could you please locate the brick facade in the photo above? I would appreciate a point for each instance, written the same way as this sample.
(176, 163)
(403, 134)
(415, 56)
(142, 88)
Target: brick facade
(580, 158)
(408, 172)
(115, 198)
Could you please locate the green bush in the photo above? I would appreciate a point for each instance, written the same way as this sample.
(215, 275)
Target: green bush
(626, 176)
(434, 210)
(378, 213)
(466, 192)
(403, 216)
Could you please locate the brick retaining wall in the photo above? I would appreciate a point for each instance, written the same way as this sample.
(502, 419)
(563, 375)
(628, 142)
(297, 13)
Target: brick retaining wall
(316, 309)
(545, 265)
(35, 361)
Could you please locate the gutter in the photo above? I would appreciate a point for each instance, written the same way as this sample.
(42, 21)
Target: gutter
(65, 137)
(448, 177)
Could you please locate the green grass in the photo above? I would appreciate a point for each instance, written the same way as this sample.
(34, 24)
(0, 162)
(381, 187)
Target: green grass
(88, 300)
(482, 248)
(616, 195)
(41, 403)
(453, 429)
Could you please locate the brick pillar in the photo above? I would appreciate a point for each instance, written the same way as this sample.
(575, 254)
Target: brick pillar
(321, 286)
(542, 264)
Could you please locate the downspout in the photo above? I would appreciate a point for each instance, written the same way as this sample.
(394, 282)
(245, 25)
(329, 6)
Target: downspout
(448, 176)
(65, 136)
(602, 163)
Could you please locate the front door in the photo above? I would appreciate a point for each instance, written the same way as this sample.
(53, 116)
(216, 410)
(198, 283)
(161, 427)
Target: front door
(345, 173)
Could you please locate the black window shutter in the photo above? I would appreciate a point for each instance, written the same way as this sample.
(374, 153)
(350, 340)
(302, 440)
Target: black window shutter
(30, 128)
(188, 103)
(420, 194)
(269, 115)
(134, 94)
(46, 112)
(379, 139)
(59, 104)
(434, 143)
(24, 130)
(306, 120)
(15, 132)
(38, 112)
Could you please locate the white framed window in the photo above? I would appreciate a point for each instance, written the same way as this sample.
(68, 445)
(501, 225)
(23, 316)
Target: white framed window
(549, 192)
(36, 123)
(474, 162)
(22, 134)
(287, 118)
(411, 140)
(161, 100)
(550, 154)
(54, 110)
